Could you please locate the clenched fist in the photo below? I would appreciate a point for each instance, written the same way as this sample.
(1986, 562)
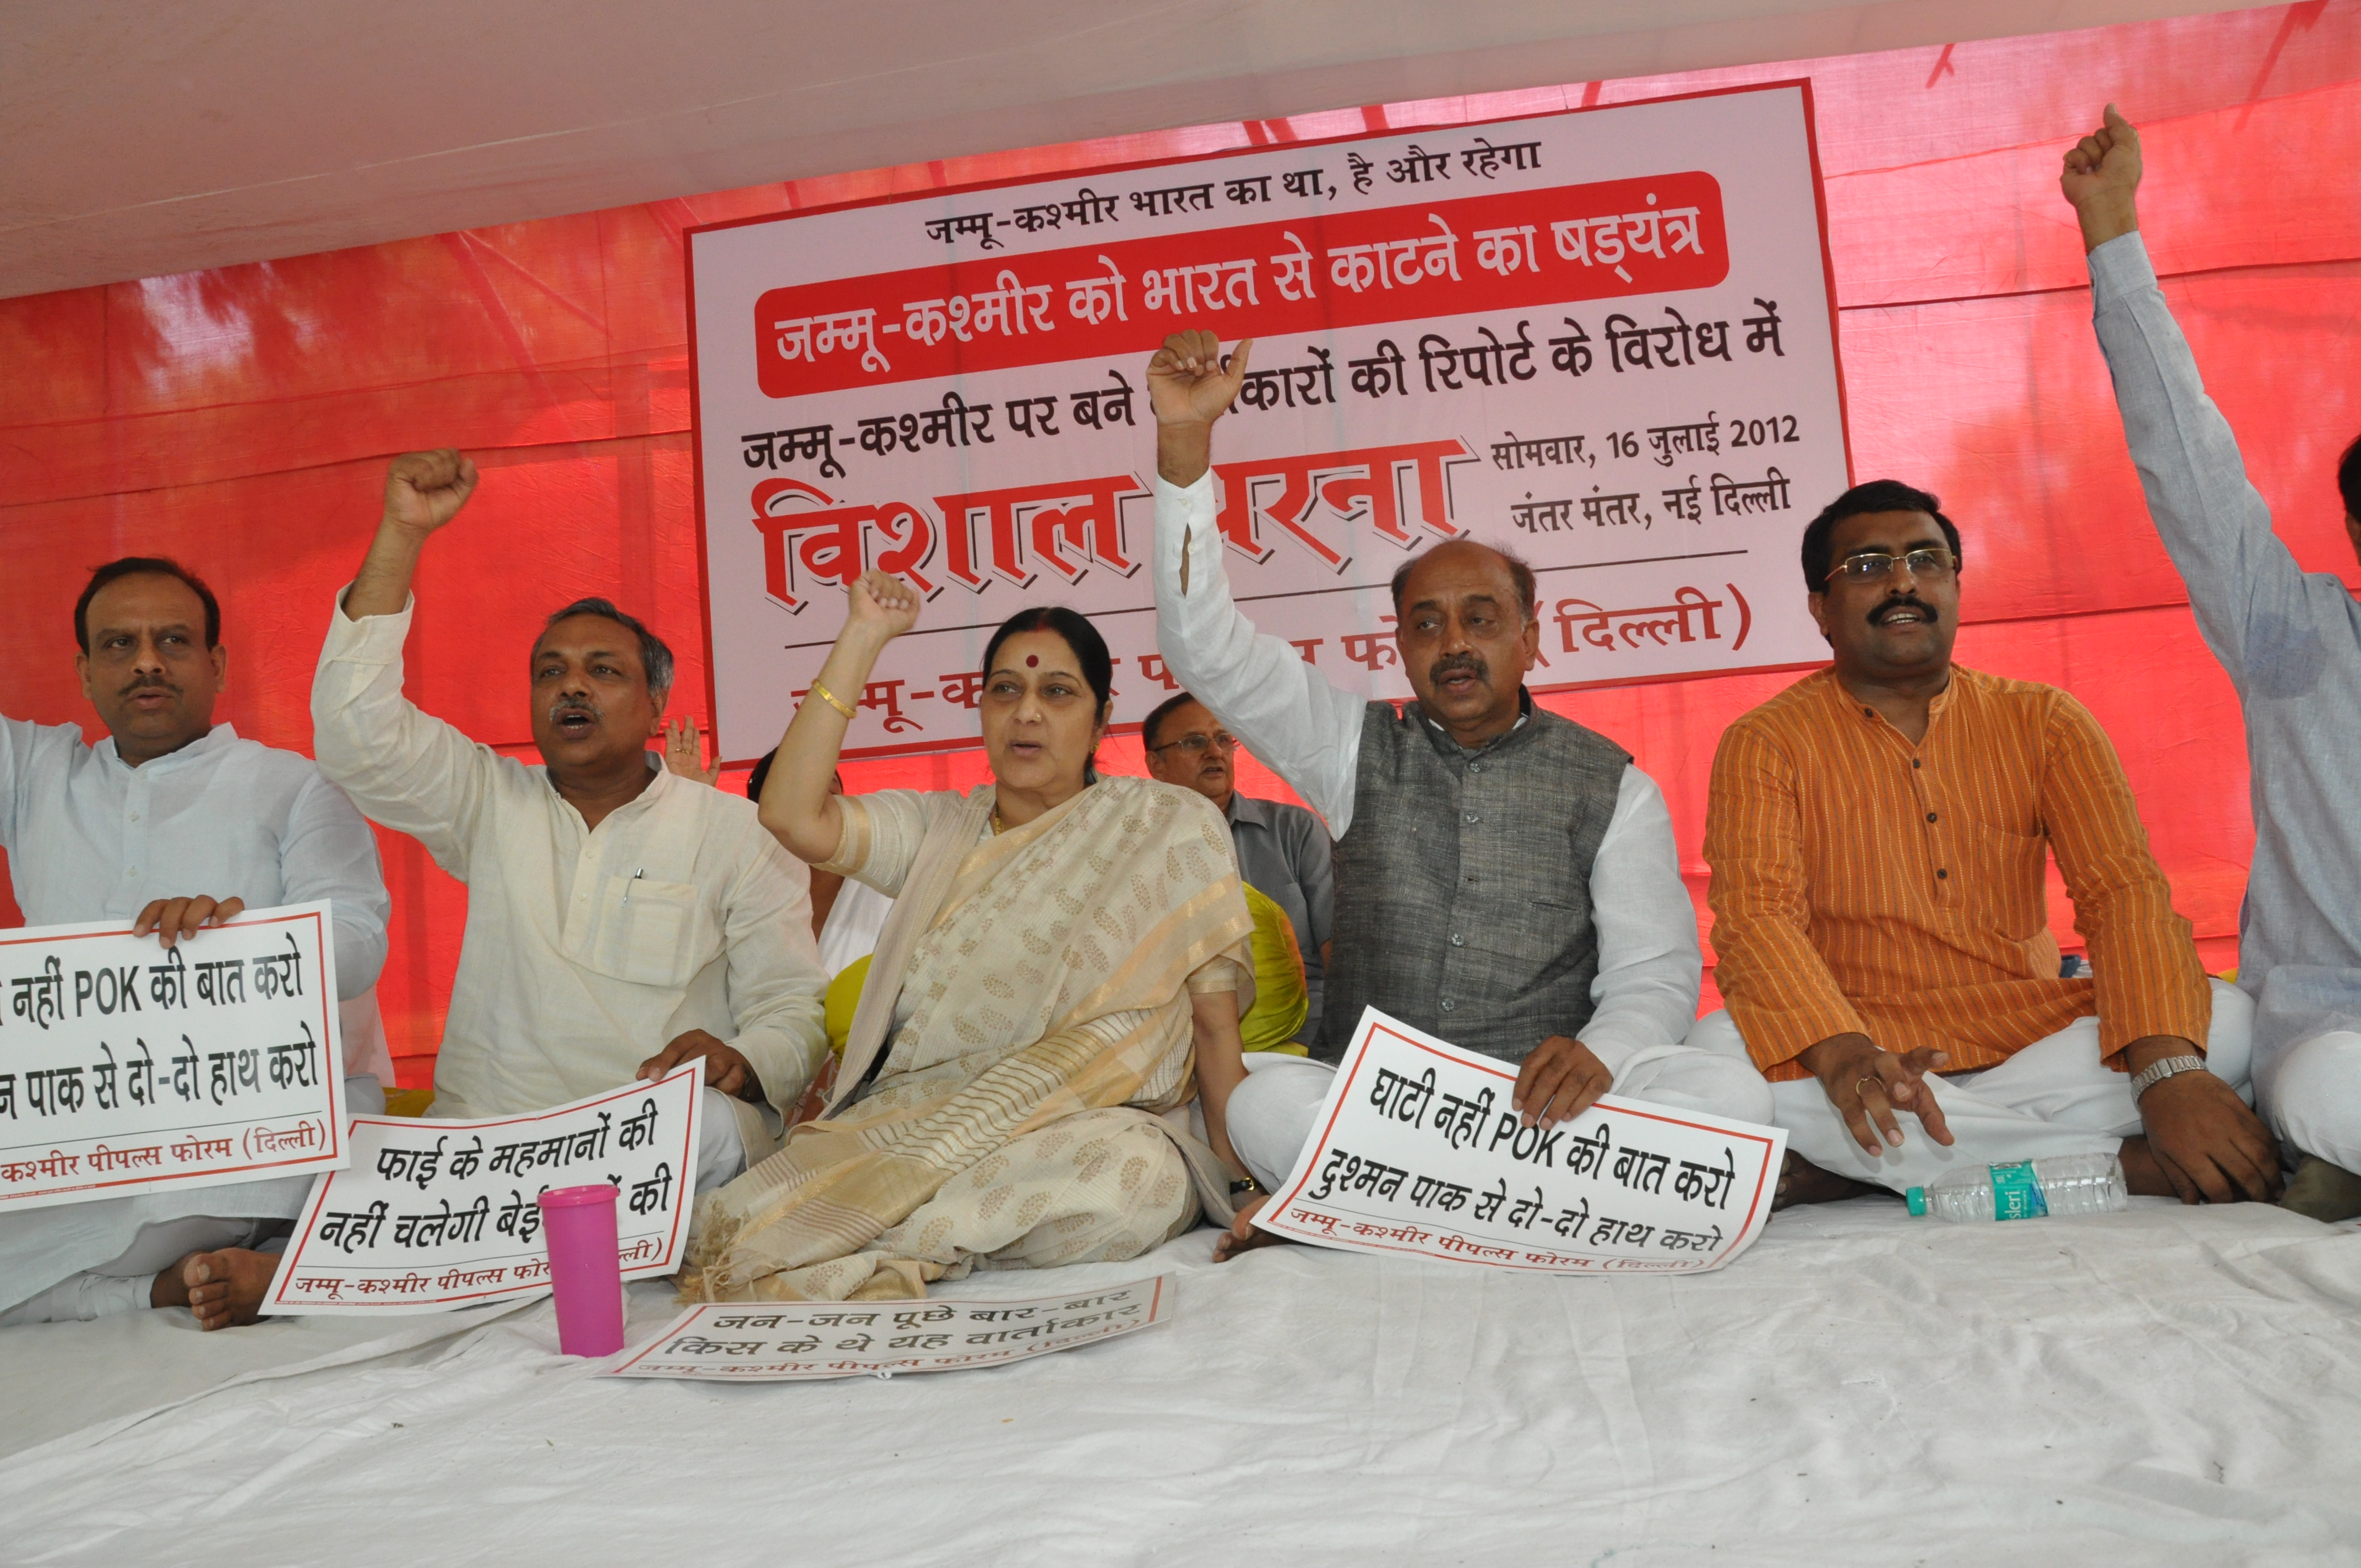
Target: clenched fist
(424, 491)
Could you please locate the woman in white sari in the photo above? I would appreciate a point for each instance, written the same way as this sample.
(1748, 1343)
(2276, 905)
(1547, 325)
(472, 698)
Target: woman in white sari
(1062, 972)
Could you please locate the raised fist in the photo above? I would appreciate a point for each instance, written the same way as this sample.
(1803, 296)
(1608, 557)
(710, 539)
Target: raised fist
(424, 491)
(1186, 382)
(883, 604)
(2101, 175)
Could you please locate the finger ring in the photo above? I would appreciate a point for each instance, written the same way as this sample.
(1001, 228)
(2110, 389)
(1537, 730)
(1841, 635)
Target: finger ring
(1859, 1081)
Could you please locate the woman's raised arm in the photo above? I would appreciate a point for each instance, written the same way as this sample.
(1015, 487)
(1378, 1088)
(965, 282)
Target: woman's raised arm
(796, 805)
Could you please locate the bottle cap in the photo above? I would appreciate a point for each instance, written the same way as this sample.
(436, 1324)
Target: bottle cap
(1917, 1196)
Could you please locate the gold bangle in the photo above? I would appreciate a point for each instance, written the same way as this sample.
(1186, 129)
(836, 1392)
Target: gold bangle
(830, 698)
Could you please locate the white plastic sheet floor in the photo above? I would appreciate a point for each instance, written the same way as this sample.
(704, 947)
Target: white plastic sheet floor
(2166, 1385)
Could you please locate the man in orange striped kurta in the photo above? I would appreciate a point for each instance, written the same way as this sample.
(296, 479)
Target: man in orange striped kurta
(1878, 834)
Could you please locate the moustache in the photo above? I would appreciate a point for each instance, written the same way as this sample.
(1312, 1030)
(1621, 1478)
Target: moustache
(1908, 601)
(566, 706)
(150, 683)
(1451, 663)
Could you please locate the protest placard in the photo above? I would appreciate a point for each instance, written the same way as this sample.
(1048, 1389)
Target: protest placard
(127, 1067)
(1605, 337)
(780, 1342)
(439, 1214)
(1417, 1150)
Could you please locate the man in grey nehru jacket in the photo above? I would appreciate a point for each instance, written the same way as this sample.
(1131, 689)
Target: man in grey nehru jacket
(1505, 879)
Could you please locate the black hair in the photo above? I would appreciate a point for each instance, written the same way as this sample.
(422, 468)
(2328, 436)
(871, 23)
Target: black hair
(760, 776)
(1878, 495)
(655, 659)
(2348, 478)
(1520, 574)
(148, 566)
(1090, 648)
(1154, 721)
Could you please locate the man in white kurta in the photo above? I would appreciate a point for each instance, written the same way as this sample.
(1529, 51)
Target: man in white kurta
(162, 823)
(620, 918)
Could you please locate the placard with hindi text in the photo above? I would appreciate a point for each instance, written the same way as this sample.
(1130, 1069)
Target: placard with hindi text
(127, 1066)
(437, 1214)
(1417, 1149)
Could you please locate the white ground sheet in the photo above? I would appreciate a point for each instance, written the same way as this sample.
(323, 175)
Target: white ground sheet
(2167, 1385)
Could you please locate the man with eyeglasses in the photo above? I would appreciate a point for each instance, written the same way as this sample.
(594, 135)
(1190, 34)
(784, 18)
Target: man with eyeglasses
(1283, 851)
(2291, 642)
(1505, 878)
(1878, 835)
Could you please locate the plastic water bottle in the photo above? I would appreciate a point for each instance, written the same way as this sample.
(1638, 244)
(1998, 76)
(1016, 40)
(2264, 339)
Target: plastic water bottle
(2027, 1189)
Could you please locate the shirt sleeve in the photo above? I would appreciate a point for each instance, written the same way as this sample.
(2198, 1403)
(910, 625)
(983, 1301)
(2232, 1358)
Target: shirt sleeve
(1298, 726)
(1649, 967)
(1316, 873)
(1778, 989)
(414, 774)
(2215, 525)
(329, 853)
(2143, 956)
(776, 984)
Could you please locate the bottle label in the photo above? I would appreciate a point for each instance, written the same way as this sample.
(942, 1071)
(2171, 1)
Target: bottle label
(2017, 1193)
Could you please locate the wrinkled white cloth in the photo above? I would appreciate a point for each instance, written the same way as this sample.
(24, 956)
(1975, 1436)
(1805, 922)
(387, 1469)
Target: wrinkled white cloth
(2055, 1097)
(2172, 1387)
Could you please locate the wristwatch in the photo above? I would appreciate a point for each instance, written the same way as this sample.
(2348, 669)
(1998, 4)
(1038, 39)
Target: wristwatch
(2148, 1076)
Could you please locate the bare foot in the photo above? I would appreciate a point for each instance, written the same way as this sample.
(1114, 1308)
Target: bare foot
(1243, 1235)
(1801, 1181)
(224, 1288)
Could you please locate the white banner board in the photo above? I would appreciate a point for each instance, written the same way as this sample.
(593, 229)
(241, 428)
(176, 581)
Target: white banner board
(1417, 1149)
(780, 1342)
(433, 1215)
(1604, 338)
(127, 1067)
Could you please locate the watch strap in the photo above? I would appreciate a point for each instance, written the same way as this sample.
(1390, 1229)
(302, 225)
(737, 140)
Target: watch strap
(2156, 1073)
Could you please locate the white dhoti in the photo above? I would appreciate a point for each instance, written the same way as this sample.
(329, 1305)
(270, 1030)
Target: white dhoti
(2055, 1097)
(1271, 1114)
(723, 1133)
(2313, 1090)
(78, 1261)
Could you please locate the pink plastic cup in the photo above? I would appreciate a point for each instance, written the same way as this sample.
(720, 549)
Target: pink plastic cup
(586, 1275)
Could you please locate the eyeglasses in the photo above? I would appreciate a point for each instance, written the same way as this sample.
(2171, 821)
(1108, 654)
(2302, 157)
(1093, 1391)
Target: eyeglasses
(1198, 745)
(1928, 565)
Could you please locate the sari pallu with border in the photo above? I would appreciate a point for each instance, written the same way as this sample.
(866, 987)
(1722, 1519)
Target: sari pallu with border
(1041, 974)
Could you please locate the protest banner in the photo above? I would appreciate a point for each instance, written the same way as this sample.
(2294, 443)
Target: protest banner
(1604, 338)
(1418, 1150)
(434, 1214)
(781, 1343)
(127, 1066)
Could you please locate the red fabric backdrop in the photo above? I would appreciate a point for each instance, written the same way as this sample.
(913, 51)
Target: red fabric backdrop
(238, 419)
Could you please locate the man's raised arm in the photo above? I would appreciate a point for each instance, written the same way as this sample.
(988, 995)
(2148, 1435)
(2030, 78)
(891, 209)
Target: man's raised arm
(1301, 727)
(413, 774)
(2214, 523)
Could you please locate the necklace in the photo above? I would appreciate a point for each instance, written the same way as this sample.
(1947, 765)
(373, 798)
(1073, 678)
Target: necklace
(998, 826)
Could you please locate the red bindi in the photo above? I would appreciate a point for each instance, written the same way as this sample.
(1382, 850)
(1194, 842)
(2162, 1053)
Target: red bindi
(1031, 660)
